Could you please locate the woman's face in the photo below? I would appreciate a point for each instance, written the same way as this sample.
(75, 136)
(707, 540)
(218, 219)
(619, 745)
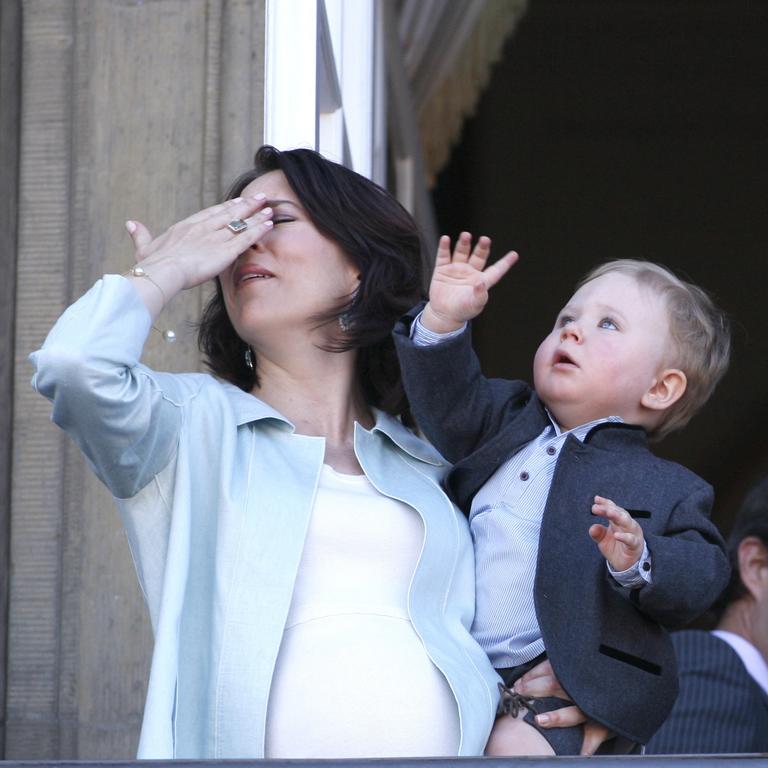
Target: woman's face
(289, 278)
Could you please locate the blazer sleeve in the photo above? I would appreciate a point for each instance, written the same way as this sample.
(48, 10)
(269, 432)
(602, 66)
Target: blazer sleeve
(111, 406)
(690, 565)
(455, 406)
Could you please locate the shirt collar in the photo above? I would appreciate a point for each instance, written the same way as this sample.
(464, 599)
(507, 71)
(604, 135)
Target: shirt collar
(582, 430)
(248, 408)
(753, 660)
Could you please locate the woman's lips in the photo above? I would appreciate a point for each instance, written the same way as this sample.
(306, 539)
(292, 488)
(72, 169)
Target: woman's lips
(251, 272)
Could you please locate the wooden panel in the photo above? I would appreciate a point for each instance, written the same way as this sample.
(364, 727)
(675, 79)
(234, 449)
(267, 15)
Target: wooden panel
(137, 155)
(241, 88)
(129, 110)
(10, 81)
(42, 290)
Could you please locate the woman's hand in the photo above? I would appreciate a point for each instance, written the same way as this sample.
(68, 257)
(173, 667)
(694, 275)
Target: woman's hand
(195, 249)
(540, 682)
(459, 288)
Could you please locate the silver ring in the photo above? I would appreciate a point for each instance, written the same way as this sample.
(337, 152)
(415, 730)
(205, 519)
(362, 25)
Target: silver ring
(236, 226)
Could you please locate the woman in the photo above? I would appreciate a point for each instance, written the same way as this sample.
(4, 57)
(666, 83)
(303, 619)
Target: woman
(309, 584)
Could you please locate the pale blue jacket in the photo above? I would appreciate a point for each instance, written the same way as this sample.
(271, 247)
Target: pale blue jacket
(215, 490)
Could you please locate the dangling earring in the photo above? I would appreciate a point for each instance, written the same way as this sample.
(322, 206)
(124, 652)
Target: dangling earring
(249, 358)
(345, 318)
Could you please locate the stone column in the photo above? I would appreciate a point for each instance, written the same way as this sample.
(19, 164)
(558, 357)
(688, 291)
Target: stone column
(129, 109)
(10, 71)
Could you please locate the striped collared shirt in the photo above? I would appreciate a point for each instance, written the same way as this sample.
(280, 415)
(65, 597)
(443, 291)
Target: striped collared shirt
(505, 521)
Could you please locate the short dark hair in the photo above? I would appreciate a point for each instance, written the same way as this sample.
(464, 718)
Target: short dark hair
(751, 520)
(382, 240)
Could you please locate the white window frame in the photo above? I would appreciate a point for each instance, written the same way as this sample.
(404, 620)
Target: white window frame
(325, 81)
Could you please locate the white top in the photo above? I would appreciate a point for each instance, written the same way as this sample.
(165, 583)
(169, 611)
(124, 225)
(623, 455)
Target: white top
(753, 660)
(349, 645)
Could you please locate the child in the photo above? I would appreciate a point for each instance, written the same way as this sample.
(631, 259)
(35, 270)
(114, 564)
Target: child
(633, 355)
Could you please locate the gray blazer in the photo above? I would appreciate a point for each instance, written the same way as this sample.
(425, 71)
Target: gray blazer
(720, 707)
(606, 643)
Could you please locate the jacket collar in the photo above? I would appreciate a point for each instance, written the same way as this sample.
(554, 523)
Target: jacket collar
(605, 434)
(406, 440)
(248, 408)
(615, 435)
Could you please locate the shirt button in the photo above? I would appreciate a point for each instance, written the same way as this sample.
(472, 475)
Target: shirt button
(524, 475)
(551, 450)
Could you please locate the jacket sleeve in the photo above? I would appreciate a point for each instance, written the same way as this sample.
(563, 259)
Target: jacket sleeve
(690, 565)
(457, 407)
(108, 403)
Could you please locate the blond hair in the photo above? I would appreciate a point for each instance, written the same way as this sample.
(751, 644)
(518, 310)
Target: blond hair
(699, 329)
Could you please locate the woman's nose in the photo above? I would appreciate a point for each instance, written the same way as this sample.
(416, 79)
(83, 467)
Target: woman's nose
(258, 246)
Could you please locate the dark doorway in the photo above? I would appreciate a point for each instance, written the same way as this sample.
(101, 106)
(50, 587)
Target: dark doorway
(637, 129)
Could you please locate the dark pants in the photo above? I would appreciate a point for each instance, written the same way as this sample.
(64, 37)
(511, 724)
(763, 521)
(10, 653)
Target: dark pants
(564, 741)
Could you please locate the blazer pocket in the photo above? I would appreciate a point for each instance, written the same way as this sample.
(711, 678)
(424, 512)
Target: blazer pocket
(631, 659)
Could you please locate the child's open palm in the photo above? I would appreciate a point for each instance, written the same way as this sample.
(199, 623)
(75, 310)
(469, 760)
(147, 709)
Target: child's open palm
(621, 541)
(459, 288)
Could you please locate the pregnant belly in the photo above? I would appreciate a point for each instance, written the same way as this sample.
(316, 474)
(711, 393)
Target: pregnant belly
(358, 685)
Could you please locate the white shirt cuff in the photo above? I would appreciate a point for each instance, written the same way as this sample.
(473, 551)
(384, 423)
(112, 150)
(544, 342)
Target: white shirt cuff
(637, 575)
(423, 337)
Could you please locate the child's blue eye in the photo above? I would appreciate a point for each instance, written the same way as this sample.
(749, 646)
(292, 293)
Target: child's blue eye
(606, 322)
(564, 320)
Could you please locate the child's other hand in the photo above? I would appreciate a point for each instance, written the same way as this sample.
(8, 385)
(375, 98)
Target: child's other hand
(459, 288)
(621, 541)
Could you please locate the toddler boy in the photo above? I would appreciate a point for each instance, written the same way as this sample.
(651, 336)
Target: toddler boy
(633, 355)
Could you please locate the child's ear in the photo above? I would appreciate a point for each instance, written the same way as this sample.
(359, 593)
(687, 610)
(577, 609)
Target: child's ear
(666, 390)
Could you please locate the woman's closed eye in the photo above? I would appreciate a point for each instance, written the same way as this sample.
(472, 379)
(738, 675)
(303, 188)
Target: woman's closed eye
(282, 219)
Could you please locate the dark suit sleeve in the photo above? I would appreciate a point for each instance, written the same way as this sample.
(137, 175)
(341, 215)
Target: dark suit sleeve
(453, 403)
(690, 567)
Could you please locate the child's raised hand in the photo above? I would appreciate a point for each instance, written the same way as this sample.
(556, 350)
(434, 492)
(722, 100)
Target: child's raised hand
(621, 541)
(459, 288)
